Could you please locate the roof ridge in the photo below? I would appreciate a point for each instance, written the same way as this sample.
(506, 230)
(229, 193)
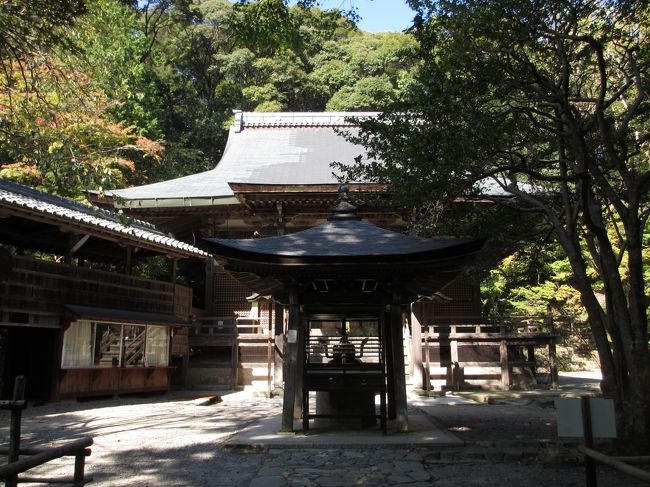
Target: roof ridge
(298, 119)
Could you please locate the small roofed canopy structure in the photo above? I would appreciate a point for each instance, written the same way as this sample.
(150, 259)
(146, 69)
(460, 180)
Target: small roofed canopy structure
(344, 267)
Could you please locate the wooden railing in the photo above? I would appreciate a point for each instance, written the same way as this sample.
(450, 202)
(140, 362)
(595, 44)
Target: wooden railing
(218, 326)
(42, 287)
(522, 334)
(37, 456)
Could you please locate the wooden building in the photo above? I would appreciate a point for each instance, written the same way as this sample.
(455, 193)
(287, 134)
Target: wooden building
(73, 318)
(276, 178)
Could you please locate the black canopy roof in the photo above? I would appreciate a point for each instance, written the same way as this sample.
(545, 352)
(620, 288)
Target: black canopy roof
(345, 242)
(346, 249)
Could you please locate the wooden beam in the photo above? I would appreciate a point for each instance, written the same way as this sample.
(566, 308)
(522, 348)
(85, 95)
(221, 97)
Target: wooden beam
(79, 244)
(72, 448)
(616, 463)
(88, 228)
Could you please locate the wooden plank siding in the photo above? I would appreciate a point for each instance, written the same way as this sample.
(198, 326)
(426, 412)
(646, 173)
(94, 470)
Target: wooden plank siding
(38, 286)
(109, 381)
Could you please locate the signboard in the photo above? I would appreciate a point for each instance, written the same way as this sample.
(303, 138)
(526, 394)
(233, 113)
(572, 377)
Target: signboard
(569, 417)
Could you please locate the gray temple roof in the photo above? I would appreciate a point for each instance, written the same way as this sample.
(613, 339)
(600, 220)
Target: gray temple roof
(262, 148)
(27, 202)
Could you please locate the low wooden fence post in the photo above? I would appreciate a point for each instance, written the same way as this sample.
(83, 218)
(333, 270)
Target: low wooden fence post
(552, 354)
(14, 429)
(590, 464)
(503, 358)
(34, 457)
(79, 469)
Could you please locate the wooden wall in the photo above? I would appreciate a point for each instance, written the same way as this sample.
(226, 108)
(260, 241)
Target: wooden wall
(43, 287)
(32, 298)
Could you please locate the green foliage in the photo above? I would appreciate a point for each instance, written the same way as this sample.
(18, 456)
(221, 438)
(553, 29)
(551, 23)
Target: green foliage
(519, 286)
(547, 104)
(370, 93)
(57, 128)
(365, 71)
(30, 29)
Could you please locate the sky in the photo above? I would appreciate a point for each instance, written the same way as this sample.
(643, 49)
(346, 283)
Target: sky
(376, 15)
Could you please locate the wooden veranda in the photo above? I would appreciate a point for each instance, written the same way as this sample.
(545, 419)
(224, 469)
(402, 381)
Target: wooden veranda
(74, 319)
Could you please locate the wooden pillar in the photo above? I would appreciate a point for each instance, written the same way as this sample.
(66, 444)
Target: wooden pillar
(390, 369)
(457, 375)
(127, 259)
(174, 270)
(396, 322)
(427, 362)
(503, 357)
(55, 362)
(591, 479)
(173, 282)
(279, 345)
(209, 286)
(234, 362)
(416, 349)
(16, 414)
(531, 358)
(270, 351)
(67, 259)
(300, 369)
(185, 369)
(291, 356)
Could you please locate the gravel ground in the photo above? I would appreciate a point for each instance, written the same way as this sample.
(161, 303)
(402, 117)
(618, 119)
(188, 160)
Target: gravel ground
(171, 440)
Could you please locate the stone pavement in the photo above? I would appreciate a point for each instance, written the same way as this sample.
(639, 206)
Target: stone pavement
(185, 439)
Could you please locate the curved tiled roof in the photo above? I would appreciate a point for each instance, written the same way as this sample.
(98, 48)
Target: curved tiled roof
(262, 148)
(276, 148)
(26, 200)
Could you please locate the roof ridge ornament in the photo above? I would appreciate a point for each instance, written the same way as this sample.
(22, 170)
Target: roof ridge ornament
(344, 210)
